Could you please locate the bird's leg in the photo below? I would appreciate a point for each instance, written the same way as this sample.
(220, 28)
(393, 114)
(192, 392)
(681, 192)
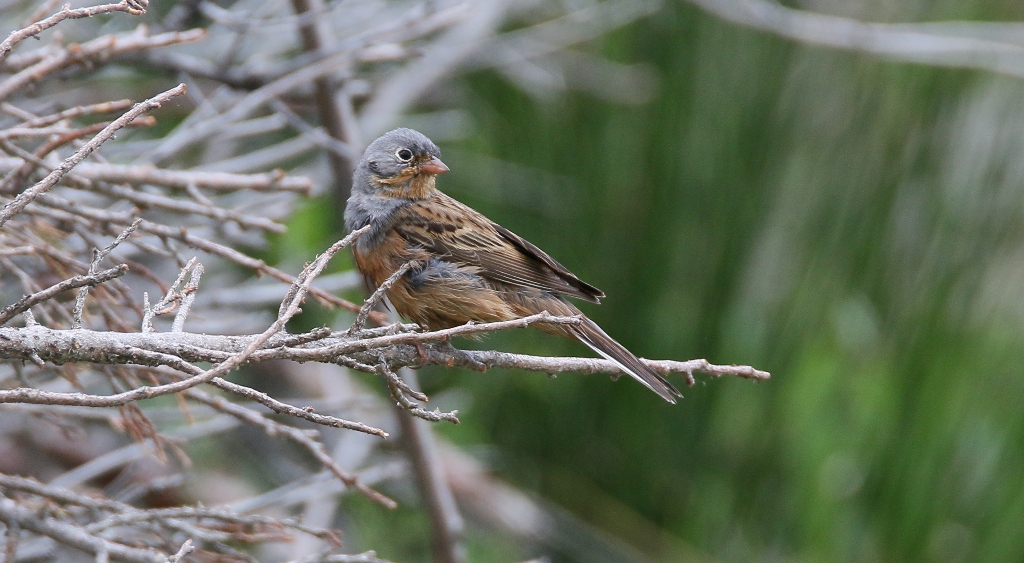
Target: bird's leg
(422, 352)
(453, 353)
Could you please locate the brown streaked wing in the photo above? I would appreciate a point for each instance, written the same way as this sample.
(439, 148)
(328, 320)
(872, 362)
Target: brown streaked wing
(449, 227)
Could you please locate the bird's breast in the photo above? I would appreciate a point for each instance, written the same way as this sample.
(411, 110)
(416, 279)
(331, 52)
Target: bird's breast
(381, 256)
(435, 293)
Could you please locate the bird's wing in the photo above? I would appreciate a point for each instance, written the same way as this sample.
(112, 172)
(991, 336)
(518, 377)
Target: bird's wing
(462, 235)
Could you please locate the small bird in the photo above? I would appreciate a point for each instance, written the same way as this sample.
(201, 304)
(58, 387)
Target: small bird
(467, 268)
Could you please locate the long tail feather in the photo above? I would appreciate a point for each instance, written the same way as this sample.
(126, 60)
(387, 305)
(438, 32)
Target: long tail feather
(598, 340)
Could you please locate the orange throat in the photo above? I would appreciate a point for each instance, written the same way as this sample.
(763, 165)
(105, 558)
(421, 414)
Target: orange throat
(409, 185)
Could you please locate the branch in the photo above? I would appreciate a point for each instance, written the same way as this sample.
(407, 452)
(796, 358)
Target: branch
(297, 435)
(90, 280)
(446, 524)
(172, 349)
(96, 50)
(98, 256)
(145, 174)
(485, 359)
(26, 197)
(315, 37)
(954, 44)
(371, 302)
(13, 514)
(135, 8)
(399, 389)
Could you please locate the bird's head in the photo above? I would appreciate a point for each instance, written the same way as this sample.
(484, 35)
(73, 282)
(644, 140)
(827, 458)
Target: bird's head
(401, 163)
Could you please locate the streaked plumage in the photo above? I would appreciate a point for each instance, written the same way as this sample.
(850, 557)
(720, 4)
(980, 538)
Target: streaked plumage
(468, 267)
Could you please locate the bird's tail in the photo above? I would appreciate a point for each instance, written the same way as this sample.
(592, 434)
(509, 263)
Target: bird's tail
(598, 340)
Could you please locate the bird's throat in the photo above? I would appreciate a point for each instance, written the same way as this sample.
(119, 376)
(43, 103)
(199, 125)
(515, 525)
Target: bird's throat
(408, 185)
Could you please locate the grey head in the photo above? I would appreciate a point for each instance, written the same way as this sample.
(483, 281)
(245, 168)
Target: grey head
(396, 169)
(399, 154)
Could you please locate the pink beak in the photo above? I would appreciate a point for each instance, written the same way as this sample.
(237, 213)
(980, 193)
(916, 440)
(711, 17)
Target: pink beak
(434, 166)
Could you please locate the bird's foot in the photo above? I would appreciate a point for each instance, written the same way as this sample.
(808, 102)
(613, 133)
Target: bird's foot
(424, 358)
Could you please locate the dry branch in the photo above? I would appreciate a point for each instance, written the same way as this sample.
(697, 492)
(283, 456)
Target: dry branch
(966, 44)
(90, 280)
(133, 7)
(52, 178)
(171, 349)
(94, 51)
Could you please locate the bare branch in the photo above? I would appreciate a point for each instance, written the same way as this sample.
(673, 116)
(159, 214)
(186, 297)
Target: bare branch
(170, 300)
(301, 437)
(97, 49)
(240, 258)
(371, 302)
(104, 107)
(482, 360)
(188, 297)
(186, 548)
(135, 8)
(98, 256)
(305, 413)
(51, 179)
(145, 174)
(446, 524)
(64, 346)
(27, 519)
(955, 44)
(92, 280)
(315, 37)
(399, 389)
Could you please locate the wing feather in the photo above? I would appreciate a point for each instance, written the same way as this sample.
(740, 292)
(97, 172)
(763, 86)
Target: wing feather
(449, 228)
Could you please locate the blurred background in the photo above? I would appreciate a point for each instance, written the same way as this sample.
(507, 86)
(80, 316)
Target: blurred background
(848, 222)
(751, 182)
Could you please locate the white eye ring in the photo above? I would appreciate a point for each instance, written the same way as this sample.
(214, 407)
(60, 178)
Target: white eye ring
(404, 155)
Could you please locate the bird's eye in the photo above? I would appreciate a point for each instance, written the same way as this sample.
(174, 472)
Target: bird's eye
(405, 155)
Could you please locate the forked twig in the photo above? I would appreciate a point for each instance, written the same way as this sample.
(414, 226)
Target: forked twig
(371, 301)
(26, 197)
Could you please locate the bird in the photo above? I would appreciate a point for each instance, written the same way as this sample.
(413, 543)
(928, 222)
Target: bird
(465, 267)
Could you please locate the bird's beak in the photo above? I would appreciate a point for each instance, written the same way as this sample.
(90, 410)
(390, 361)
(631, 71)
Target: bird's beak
(434, 166)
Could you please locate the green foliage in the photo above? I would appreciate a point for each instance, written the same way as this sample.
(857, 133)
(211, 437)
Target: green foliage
(831, 217)
(850, 224)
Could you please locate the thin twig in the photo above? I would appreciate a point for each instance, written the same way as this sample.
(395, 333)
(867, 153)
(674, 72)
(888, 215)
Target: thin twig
(400, 388)
(305, 413)
(371, 302)
(135, 8)
(188, 297)
(186, 548)
(104, 107)
(297, 435)
(28, 301)
(98, 256)
(169, 301)
(26, 197)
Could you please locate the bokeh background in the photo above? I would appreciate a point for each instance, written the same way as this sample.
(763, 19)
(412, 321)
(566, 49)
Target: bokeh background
(845, 218)
(848, 222)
